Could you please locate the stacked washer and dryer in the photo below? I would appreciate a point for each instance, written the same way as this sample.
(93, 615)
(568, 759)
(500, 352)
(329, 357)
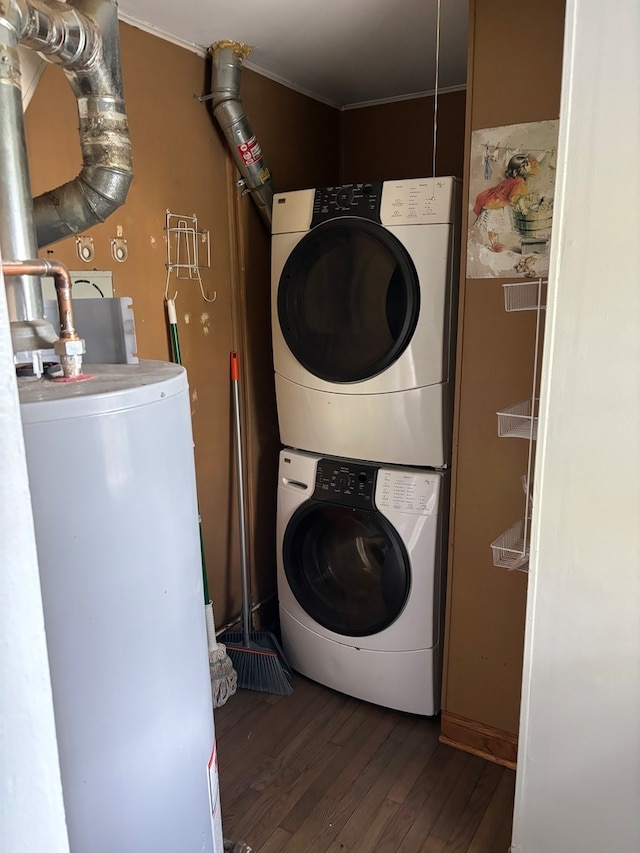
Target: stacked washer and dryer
(364, 280)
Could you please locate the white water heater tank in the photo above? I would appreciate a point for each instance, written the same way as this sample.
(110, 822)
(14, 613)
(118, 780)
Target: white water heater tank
(112, 479)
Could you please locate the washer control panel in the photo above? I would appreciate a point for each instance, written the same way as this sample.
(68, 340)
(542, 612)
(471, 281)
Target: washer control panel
(345, 482)
(362, 200)
(414, 492)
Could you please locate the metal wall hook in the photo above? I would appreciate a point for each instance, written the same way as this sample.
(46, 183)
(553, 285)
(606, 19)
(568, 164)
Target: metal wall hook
(84, 248)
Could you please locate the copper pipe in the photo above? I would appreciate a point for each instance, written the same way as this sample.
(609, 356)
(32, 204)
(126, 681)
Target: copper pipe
(70, 347)
(62, 281)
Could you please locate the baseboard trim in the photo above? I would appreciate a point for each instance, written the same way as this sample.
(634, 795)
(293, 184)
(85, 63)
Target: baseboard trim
(493, 744)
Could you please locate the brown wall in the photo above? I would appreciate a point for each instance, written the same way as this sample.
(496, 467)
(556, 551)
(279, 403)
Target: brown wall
(486, 605)
(299, 136)
(395, 140)
(181, 163)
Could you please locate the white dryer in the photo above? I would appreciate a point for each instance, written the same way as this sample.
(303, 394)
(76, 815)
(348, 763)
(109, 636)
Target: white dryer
(364, 279)
(361, 575)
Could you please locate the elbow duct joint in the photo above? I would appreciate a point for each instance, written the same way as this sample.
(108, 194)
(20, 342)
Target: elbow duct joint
(82, 37)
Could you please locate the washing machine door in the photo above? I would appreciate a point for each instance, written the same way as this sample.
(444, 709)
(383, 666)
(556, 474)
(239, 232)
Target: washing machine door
(348, 568)
(348, 300)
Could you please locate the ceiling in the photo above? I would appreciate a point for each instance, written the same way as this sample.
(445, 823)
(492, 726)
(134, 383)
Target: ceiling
(343, 52)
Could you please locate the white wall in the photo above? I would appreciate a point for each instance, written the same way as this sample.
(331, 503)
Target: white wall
(31, 807)
(31, 67)
(578, 781)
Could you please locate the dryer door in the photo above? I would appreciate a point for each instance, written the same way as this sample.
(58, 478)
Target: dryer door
(348, 300)
(348, 568)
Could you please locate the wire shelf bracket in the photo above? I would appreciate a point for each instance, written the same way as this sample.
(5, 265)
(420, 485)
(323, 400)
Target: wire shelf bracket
(188, 251)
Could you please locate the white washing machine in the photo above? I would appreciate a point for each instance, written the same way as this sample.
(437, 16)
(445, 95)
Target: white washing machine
(361, 575)
(364, 279)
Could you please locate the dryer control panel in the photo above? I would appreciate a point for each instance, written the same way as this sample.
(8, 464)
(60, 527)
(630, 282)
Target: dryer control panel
(345, 483)
(362, 200)
(423, 201)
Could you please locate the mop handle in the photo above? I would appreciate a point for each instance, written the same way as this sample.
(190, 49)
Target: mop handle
(246, 605)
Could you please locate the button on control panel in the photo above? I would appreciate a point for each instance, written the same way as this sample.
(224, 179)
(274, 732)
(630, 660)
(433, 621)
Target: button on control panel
(361, 200)
(344, 482)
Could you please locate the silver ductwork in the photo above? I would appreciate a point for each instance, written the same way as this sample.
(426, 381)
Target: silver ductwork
(90, 56)
(29, 330)
(227, 58)
(82, 37)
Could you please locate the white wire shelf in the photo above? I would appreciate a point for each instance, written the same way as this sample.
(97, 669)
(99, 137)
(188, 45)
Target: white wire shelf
(188, 247)
(525, 295)
(511, 548)
(519, 421)
(188, 252)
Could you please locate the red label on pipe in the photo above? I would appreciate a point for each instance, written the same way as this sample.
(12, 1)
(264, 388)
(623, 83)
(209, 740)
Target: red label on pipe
(250, 151)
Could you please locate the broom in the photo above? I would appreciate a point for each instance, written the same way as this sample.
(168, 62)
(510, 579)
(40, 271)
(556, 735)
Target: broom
(256, 655)
(224, 680)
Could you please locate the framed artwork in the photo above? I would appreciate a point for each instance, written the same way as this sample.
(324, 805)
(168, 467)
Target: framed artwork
(511, 189)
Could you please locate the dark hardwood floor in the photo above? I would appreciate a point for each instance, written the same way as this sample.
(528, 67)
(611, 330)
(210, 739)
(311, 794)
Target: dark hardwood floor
(319, 772)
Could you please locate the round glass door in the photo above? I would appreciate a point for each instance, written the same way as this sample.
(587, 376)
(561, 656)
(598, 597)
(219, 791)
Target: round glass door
(348, 300)
(347, 568)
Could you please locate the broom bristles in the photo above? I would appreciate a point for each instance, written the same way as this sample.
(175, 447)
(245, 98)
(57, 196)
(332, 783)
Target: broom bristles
(259, 669)
(262, 641)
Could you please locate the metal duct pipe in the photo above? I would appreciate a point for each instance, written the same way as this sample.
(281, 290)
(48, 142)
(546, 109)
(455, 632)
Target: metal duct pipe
(29, 330)
(90, 56)
(227, 58)
(82, 37)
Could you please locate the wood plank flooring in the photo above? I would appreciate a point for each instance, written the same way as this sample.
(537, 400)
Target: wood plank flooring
(319, 772)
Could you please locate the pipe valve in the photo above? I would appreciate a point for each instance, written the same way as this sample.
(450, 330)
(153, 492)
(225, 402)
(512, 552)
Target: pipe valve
(71, 353)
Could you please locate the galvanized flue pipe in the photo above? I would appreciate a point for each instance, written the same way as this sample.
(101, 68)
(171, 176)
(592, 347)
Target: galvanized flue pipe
(226, 69)
(30, 331)
(95, 77)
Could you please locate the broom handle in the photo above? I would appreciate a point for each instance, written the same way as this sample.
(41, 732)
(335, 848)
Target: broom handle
(246, 605)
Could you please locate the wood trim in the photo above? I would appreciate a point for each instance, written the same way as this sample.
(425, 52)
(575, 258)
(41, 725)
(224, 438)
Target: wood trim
(493, 744)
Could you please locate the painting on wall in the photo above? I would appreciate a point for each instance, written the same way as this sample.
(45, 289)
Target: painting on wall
(511, 189)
